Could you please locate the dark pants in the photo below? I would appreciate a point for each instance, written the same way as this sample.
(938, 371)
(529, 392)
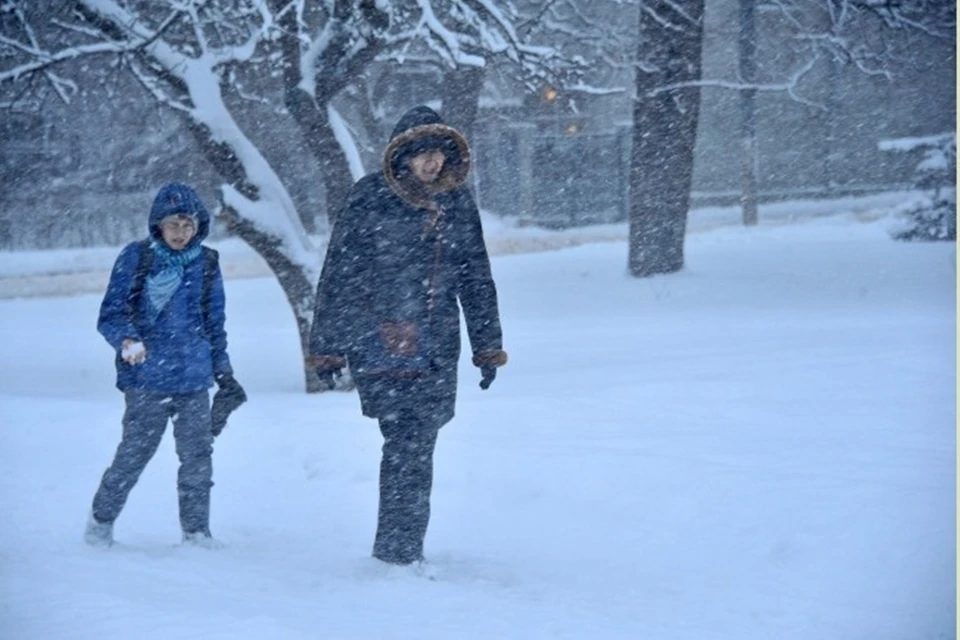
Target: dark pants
(406, 478)
(144, 422)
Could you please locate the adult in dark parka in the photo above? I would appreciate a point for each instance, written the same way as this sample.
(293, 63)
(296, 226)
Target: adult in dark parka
(407, 247)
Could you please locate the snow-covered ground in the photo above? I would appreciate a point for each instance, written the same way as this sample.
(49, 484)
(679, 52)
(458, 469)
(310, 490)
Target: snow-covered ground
(760, 446)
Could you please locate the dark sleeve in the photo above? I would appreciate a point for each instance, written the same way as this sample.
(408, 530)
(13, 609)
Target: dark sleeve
(478, 293)
(114, 322)
(343, 289)
(215, 323)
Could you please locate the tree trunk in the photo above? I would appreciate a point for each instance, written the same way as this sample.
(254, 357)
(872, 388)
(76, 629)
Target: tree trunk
(336, 66)
(365, 115)
(222, 157)
(748, 112)
(314, 121)
(296, 286)
(664, 133)
(461, 98)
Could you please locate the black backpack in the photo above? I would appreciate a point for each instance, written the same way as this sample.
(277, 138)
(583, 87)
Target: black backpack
(210, 260)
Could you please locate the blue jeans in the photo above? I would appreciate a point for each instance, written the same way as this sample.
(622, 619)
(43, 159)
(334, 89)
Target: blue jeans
(144, 423)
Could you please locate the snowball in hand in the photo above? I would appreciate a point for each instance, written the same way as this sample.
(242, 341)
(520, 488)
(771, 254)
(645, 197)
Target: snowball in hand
(133, 352)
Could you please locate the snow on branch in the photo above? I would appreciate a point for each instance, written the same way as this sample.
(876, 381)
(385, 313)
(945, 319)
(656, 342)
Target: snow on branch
(311, 54)
(464, 31)
(917, 142)
(40, 60)
(789, 87)
(451, 51)
(937, 18)
(660, 20)
(45, 60)
(273, 212)
(150, 84)
(342, 133)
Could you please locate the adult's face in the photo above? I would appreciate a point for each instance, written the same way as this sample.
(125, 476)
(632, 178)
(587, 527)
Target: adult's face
(426, 166)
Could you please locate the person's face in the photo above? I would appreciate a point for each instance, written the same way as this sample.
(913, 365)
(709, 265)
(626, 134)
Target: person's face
(178, 231)
(427, 166)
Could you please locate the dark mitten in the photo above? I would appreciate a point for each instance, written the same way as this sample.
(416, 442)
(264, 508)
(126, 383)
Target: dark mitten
(488, 361)
(229, 387)
(329, 369)
(328, 378)
(226, 400)
(487, 376)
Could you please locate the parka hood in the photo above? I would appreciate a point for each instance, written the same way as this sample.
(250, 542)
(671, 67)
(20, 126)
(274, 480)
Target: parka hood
(176, 198)
(422, 129)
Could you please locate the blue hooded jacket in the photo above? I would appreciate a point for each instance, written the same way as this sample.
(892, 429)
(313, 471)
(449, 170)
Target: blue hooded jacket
(184, 349)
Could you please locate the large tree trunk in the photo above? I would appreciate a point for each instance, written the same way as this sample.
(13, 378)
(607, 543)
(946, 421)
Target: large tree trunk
(296, 286)
(222, 156)
(461, 97)
(748, 112)
(664, 133)
(314, 121)
(336, 66)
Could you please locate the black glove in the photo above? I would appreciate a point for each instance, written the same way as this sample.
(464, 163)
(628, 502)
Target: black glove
(487, 376)
(228, 397)
(488, 361)
(328, 378)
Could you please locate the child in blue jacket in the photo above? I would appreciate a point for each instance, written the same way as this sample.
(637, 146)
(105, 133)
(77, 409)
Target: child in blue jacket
(163, 314)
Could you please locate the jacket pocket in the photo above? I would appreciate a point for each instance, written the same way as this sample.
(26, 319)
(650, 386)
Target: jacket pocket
(400, 338)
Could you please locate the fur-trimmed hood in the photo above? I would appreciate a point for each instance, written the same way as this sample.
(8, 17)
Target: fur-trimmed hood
(419, 129)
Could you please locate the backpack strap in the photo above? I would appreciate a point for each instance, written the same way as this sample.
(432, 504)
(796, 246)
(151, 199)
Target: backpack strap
(210, 262)
(211, 258)
(139, 277)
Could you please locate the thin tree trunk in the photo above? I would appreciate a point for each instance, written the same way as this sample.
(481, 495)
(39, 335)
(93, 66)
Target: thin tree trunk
(314, 121)
(364, 113)
(461, 98)
(335, 69)
(297, 289)
(748, 112)
(222, 157)
(664, 133)
(293, 281)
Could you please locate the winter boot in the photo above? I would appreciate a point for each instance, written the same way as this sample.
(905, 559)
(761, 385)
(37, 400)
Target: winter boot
(98, 534)
(416, 569)
(201, 539)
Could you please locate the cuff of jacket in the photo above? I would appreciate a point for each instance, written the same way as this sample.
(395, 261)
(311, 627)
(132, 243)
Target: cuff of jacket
(326, 362)
(490, 358)
(117, 339)
(220, 372)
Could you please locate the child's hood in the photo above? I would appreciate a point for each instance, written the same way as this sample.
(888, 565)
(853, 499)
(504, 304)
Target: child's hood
(176, 198)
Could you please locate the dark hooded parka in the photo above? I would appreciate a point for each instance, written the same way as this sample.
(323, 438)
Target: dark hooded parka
(401, 256)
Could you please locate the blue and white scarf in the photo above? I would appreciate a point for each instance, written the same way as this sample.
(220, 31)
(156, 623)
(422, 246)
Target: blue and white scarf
(162, 285)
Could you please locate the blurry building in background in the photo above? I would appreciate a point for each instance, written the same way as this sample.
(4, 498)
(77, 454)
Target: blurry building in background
(85, 174)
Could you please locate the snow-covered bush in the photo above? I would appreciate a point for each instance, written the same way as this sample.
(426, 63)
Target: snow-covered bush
(932, 216)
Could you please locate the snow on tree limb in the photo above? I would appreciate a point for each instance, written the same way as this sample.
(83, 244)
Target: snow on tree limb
(61, 86)
(262, 214)
(274, 213)
(916, 142)
(342, 132)
(44, 59)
